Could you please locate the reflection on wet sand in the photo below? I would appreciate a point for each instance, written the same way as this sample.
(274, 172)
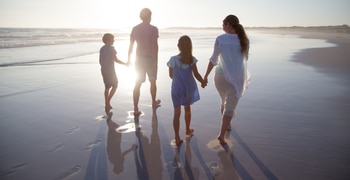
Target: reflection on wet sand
(148, 154)
(115, 154)
(228, 168)
(184, 170)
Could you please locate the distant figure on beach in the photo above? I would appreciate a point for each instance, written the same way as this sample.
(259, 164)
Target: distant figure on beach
(231, 75)
(108, 55)
(146, 37)
(184, 91)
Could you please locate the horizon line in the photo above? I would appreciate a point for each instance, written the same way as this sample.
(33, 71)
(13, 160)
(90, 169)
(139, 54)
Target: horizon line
(177, 27)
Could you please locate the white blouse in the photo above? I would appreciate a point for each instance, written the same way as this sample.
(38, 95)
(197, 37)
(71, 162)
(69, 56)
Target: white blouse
(227, 50)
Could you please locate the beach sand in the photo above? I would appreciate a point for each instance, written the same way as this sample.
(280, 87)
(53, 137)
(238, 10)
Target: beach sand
(292, 126)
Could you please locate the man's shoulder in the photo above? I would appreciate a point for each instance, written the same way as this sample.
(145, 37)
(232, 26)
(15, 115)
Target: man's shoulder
(145, 26)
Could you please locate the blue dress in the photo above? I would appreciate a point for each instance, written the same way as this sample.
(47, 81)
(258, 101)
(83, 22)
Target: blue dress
(184, 90)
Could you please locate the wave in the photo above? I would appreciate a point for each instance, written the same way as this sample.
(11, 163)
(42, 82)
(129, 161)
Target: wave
(45, 61)
(29, 37)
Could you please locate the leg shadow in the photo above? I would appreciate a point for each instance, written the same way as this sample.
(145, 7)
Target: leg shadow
(258, 162)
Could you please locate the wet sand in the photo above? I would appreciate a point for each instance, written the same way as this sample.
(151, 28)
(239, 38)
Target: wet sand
(291, 126)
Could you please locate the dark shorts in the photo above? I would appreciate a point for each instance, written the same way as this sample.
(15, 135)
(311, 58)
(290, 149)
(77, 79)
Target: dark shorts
(110, 80)
(145, 65)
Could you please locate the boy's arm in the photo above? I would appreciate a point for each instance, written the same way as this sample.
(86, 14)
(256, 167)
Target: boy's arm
(119, 61)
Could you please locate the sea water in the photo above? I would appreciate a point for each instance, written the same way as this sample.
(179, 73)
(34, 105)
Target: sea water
(28, 45)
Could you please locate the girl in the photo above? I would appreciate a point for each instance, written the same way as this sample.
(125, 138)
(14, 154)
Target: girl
(184, 91)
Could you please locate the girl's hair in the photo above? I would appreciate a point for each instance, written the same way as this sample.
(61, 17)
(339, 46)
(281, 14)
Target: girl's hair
(107, 38)
(185, 47)
(233, 21)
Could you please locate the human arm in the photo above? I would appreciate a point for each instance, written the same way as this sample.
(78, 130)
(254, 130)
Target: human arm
(171, 73)
(119, 61)
(154, 44)
(131, 47)
(213, 60)
(198, 76)
(209, 68)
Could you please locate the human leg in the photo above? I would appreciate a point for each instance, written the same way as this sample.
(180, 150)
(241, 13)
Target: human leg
(153, 91)
(111, 94)
(136, 97)
(151, 71)
(111, 83)
(106, 95)
(189, 131)
(226, 120)
(140, 71)
(176, 124)
(228, 104)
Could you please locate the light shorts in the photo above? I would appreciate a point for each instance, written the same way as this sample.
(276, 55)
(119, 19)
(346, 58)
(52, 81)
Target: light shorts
(227, 94)
(145, 65)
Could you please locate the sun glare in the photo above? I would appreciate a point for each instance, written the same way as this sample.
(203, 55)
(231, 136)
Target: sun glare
(120, 15)
(126, 74)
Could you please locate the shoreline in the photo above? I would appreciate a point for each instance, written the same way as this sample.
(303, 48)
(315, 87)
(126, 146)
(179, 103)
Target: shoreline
(333, 61)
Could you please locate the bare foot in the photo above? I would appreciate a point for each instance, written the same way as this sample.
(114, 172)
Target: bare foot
(156, 103)
(137, 113)
(107, 109)
(189, 133)
(178, 142)
(222, 141)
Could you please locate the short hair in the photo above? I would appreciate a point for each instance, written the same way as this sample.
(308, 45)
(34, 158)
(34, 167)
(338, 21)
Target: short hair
(145, 13)
(107, 37)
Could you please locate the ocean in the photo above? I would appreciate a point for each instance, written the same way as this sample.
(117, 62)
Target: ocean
(20, 46)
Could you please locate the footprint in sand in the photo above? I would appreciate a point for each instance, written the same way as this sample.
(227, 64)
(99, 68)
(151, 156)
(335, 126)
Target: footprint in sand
(72, 130)
(92, 144)
(56, 148)
(70, 172)
(215, 168)
(101, 118)
(15, 168)
(173, 164)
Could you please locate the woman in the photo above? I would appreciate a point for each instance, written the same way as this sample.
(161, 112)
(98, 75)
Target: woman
(231, 69)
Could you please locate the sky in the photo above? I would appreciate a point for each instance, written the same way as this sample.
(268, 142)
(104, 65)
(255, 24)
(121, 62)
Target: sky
(171, 13)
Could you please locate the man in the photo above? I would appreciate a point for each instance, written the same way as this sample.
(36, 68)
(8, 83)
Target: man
(146, 37)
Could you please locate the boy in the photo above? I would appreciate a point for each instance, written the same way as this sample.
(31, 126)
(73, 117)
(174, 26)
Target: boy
(108, 55)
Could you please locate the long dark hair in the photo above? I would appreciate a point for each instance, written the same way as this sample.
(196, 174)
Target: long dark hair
(233, 21)
(185, 47)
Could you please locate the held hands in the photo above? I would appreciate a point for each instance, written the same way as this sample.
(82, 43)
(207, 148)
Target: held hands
(204, 83)
(128, 64)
